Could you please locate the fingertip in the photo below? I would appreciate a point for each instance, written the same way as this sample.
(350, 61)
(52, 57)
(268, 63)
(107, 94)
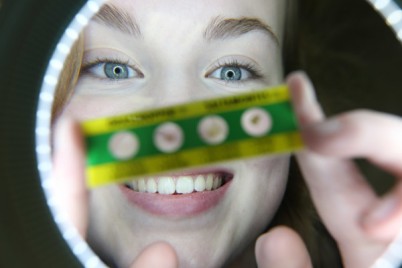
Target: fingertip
(159, 254)
(301, 86)
(384, 220)
(269, 248)
(304, 98)
(66, 132)
(274, 239)
(296, 77)
(60, 131)
(281, 247)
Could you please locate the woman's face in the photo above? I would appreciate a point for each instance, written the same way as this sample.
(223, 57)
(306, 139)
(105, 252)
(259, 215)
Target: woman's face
(143, 54)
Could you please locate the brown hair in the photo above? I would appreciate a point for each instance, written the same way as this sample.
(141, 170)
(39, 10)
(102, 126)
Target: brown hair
(68, 78)
(297, 210)
(349, 58)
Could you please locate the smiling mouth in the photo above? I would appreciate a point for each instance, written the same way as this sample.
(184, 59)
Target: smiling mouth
(180, 184)
(178, 195)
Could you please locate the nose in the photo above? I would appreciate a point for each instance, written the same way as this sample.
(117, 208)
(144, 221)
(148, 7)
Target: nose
(175, 90)
(173, 97)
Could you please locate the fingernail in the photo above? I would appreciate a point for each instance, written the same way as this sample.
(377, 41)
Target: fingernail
(382, 211)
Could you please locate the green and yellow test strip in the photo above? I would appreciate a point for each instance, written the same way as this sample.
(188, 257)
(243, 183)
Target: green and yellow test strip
(123, 147)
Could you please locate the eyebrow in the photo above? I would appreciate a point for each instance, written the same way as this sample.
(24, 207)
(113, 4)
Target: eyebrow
(220, 28)
(118, 19)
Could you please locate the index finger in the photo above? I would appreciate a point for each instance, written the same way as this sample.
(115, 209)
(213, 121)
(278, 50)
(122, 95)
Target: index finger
(324, 174)
(339, 191)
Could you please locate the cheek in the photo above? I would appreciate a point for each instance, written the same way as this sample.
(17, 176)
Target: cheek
(261, 187)
(85, 107)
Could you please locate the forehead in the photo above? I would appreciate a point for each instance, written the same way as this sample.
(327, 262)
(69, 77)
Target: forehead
(195, 13)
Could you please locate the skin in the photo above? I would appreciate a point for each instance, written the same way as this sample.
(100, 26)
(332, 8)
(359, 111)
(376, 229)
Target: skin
(362, 224)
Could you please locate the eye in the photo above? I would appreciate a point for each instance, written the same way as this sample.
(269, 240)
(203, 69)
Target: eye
(117, 71)
(113, 70)
(231, 73)
(234, 72)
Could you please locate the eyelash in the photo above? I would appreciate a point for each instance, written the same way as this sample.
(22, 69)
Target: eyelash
(251, 68)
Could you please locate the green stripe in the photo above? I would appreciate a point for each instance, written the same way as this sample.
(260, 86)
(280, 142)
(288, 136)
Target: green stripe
(128, 170)
(97, 146)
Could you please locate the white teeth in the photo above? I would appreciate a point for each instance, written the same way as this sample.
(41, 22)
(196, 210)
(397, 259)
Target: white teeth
(179, 185)
(209, 182)
(152, 187)
(217, 183)
(142, 187)
(185, 185)
(199, 184)
(134, 185)
(166, 185)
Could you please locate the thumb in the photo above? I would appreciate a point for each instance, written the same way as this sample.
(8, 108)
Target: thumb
(281, 248)
(68, 174)
(158, 255)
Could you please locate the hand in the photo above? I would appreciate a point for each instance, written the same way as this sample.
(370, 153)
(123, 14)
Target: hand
(70, 189)
(362, 224)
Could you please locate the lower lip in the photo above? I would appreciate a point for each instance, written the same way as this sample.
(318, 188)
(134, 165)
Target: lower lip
(180, 205)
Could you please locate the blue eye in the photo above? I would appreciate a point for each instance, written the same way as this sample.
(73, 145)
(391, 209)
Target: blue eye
(113, 70)
(231, 73)
(116, 70)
